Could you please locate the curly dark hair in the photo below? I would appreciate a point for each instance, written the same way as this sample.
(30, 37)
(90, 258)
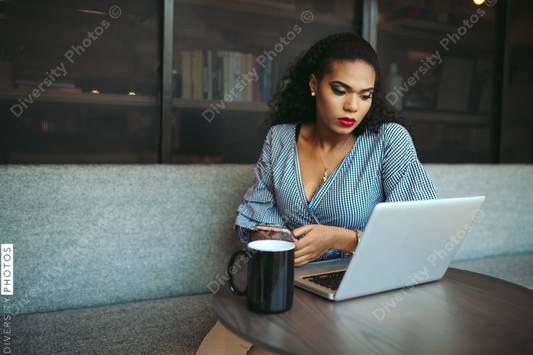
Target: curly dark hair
(293, 103)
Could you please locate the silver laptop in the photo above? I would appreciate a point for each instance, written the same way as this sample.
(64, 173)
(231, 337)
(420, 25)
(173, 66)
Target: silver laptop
(404, 244)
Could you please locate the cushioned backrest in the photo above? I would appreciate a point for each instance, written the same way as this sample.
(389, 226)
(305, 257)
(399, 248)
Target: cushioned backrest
(505, 224)
(91, 235)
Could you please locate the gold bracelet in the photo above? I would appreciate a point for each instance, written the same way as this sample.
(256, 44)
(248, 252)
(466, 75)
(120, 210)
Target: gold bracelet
(351, 252)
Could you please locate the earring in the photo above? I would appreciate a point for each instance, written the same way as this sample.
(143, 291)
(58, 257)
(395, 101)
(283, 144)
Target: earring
(312, 93)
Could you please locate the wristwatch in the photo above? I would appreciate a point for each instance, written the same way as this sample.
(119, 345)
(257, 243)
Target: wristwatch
(351, 252)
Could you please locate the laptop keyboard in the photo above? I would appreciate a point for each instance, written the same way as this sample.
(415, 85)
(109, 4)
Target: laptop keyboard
(330, 280)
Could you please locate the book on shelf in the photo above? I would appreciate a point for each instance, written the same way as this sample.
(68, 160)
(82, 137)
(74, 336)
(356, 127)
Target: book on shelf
(214, 74)
(267, 74)
(236, 75)
(63, 83)
(186, 77)
(256, 95)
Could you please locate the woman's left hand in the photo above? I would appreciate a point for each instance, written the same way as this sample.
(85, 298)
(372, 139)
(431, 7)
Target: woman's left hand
(318, 239)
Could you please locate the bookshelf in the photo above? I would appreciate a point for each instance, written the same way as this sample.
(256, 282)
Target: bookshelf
(88, 99)
(250, 29)
(450, 99)
(133, 55)
(82, 98)
(128, 56)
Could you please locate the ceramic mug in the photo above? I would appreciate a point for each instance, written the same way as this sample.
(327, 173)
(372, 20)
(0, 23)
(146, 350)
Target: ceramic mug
(270, 279)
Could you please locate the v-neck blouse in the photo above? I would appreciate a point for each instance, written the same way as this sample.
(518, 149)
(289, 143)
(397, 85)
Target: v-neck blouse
(380, 167)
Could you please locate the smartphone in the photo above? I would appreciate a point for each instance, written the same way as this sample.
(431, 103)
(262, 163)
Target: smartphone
(279, 233)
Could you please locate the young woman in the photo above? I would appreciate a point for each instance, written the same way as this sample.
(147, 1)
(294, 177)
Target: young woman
(334, 149)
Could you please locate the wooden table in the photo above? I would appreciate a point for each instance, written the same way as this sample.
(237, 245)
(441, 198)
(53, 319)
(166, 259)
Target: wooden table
(463, 313)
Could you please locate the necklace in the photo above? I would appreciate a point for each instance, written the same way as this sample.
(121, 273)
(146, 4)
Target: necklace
(318, 144)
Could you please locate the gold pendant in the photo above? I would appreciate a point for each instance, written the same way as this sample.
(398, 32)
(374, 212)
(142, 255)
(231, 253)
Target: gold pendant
(325, 175)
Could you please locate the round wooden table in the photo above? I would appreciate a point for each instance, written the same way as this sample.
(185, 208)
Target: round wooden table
(463, 313)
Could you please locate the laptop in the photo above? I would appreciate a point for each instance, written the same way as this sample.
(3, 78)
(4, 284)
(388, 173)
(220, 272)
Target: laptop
(404, 244)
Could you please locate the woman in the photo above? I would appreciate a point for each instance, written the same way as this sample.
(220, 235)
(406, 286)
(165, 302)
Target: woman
(334, 149)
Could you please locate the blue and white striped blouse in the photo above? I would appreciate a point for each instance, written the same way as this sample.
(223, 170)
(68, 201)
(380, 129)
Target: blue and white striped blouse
(379, 167)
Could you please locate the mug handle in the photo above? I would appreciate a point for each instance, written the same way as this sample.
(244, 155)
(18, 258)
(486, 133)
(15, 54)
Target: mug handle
(231, 284)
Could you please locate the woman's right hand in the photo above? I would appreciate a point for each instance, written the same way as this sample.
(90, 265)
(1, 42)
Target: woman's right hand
(318, 239)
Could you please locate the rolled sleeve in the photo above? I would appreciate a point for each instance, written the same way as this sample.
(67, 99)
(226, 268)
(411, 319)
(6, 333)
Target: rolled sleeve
(259, 205)
(404, 178)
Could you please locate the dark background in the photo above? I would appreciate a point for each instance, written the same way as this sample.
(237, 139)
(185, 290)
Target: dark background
(114, 127)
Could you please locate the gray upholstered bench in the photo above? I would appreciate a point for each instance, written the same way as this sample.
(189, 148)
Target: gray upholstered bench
(500, 243)
(120, 259)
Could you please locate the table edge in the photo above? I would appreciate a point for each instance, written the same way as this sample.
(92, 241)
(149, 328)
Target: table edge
(271, 348)
(492, 277)
(244, 336)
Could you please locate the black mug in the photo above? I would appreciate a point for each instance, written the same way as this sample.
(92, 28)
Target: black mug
(270, 281)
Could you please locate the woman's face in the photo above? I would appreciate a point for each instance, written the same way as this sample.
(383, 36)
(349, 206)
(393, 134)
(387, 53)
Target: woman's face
(344, 95)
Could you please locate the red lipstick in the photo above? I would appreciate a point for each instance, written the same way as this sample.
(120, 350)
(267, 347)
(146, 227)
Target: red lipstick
(346, 121)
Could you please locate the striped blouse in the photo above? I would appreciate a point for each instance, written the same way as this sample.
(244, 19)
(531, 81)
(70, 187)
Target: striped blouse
(379, 167)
